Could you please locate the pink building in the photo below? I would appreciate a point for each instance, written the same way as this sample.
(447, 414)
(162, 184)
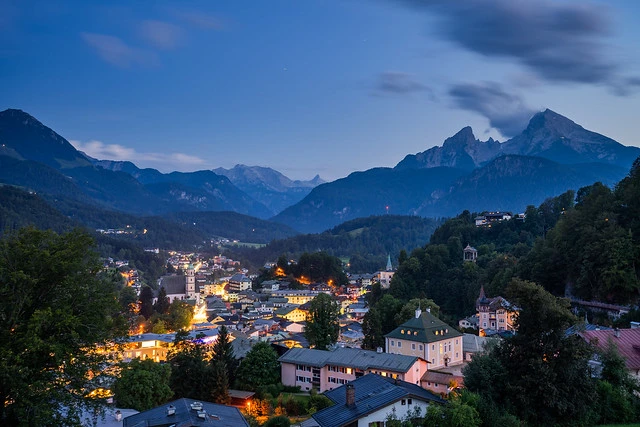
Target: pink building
(326, 370)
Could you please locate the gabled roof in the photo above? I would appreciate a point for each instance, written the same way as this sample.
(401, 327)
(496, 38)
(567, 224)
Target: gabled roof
(350, 358)
(373, 392)
(215, 415)
(426, 328)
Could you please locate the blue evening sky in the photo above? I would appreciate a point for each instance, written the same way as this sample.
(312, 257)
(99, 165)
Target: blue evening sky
(313, 87)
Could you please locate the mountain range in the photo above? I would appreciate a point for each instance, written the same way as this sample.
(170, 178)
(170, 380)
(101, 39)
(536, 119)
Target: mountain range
(553, 154)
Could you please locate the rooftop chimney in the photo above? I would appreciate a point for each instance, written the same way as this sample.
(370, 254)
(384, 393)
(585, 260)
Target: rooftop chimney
(379, 350)
(118, 415)
(418, 312)
(428, 309)
(351, 396)
(171, 410)
(616, 332)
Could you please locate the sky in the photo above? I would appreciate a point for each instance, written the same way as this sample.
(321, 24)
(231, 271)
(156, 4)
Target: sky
(313, 87)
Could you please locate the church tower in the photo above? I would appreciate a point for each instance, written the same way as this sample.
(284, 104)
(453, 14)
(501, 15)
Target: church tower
(191, 282)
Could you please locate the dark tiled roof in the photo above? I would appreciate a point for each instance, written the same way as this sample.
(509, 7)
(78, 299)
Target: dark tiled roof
(424, 329)
(174, 284)
(349, 357)
(216, 415)
(373, 392)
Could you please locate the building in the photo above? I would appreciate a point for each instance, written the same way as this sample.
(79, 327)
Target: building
(486, 219)
(369, 400)
(473, 345)
(626, 341)
(495, 314)
(441, 382)
(239, 282)
(326, 370)
(187, 413)
(469, 254)
(181, 286)
(427, 337)
(292, 313)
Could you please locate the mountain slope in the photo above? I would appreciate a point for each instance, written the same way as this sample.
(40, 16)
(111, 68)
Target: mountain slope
(511, 183)
(30, 139)
(366, 193)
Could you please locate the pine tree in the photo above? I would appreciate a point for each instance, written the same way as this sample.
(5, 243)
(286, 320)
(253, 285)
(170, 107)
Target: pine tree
(220, 389)
(223, 353)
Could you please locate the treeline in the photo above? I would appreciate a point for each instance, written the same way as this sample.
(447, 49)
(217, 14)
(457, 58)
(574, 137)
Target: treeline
(586, 244)
(365, 242)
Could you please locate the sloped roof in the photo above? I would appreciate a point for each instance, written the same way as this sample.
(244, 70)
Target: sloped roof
(174, 284)
(349, 357)
(442, 378)
(216, 415)
(627, 343)
(427, 328)
(373, 392)
(475, 344)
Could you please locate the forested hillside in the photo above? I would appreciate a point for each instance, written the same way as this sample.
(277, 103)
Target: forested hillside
(584, 244)
(365, 242)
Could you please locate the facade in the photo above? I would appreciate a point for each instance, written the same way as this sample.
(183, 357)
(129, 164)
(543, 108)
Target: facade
(369, 400)
(429, 338)
(496, 314)
(326, 370)
(239, 282)
(291, 313)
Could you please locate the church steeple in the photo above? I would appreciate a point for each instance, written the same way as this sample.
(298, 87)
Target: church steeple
(389, 266)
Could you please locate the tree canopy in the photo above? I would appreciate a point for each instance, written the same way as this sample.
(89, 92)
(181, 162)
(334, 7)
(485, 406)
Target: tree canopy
(54, 311)
(323, 326)
(259, 368)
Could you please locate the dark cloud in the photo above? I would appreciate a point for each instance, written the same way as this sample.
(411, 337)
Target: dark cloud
(506, 112)
(399, 83)
(559, 42)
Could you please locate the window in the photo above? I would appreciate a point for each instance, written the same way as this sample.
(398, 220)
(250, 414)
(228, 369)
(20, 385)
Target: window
(456, 342)
(420, 346)
(403, 402)
(433, 347)
(413, 346)
(393, 344)
(456, 355)
(399, 344)
(409, 401)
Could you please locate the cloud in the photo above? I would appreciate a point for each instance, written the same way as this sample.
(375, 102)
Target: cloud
(161, 35)
(100, 150)
(399, 83)
(116, 52)
(506, 112)
(558, 41)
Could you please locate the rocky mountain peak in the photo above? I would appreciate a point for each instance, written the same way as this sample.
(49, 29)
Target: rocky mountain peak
(463, 138)
(550, 121)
